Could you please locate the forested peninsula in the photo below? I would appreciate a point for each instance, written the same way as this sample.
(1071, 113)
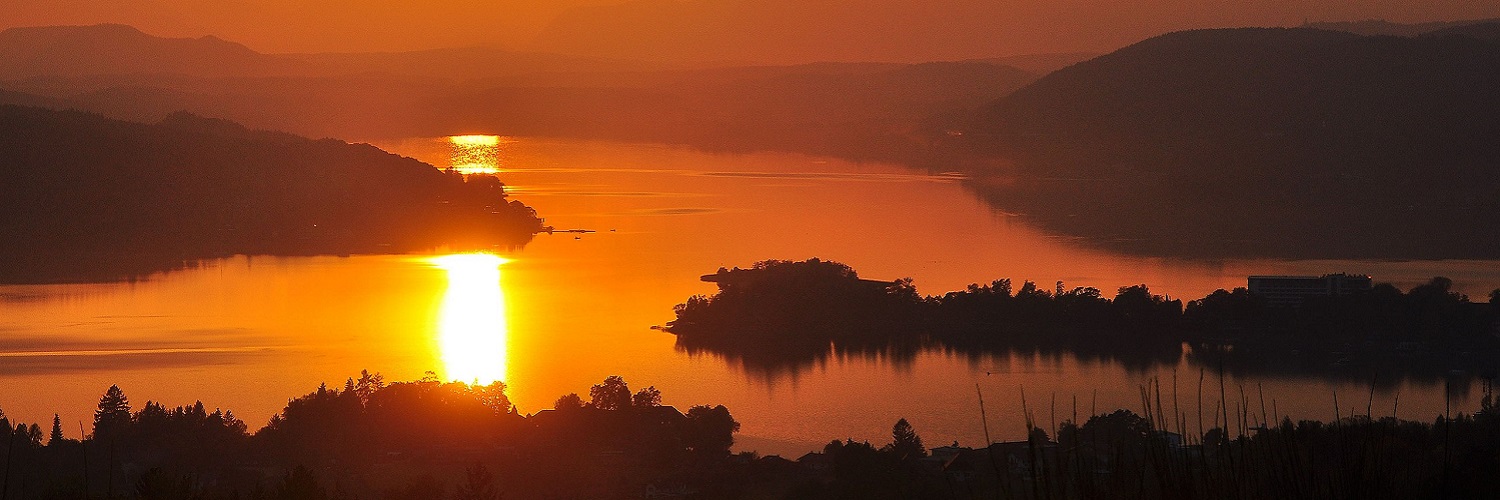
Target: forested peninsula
(83, 197)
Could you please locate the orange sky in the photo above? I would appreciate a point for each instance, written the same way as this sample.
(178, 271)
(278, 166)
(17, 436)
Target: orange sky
(736, 30)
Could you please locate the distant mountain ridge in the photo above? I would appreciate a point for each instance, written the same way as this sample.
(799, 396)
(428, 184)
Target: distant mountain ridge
(1375, 27)
(119, 49)
(1281, 142)
(116, 49)
(861, 110)
(1482, 31)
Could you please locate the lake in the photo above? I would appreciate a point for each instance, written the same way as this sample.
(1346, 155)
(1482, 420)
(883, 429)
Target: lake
(247, 333)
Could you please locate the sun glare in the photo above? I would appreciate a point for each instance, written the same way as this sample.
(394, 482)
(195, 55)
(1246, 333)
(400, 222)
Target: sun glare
(471, 325)
(475, 154)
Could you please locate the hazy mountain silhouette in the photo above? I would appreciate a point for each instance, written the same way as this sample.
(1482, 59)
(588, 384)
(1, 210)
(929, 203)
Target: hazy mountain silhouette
(866, 110)
(1484, 31)
(118, 49)
(1382, 27)
(465, 63)
(1286, 142)
(780, 31)
(115, 50)
(84, 197)
(24, 99)
(1041, 64)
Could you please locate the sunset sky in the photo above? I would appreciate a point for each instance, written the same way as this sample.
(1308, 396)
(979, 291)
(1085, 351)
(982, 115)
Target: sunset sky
(777, 31)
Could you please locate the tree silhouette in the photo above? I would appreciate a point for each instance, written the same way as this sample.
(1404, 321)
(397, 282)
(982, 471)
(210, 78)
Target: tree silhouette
(906, 444)
(34, 435)
(612, 394)
(368, 384)
(1038, 436)
(710, 430)
(493, 396)
(569, 401)
(646, 398)
(57, 434)
(113, 414)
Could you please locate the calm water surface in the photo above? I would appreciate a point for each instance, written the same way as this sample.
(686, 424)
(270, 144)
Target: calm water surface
(246, 334)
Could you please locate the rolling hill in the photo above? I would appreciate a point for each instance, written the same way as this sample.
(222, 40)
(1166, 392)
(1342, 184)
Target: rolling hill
(1262, 142)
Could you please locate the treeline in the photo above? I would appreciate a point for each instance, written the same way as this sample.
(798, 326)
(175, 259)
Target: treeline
(793, 313)
(1163, 454)
(84, 197)
(431, 440)
(423, 439)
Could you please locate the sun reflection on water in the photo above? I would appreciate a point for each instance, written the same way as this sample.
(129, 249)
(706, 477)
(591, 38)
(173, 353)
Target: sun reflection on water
(471, 326)
(475, 154)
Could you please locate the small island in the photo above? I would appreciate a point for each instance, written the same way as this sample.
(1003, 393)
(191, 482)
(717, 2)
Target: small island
(782, 315)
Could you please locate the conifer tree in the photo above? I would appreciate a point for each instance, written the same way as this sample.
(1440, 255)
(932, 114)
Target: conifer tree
(906, 444)
(113, 414)
(57, 435)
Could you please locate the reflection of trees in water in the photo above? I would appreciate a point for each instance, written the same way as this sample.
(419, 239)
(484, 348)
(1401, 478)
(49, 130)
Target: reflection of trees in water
(774, 362)
(788, 362)
(1382, 371)
(1380, 368)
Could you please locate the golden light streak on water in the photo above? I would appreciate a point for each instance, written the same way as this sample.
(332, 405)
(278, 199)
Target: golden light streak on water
(472, 330)
(475, 154)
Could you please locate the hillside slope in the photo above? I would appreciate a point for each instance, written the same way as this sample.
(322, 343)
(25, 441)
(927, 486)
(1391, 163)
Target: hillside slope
(1272, 142)
(84, 197)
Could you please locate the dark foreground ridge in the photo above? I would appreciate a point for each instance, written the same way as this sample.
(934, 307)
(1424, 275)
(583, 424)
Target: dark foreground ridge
(784, 315)
(83, 197)
(406, 440)
(429, 440)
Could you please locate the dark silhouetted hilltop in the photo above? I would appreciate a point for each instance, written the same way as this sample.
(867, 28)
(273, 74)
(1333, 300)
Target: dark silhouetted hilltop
(106, 49)
(1271, 142)
(85, 197)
